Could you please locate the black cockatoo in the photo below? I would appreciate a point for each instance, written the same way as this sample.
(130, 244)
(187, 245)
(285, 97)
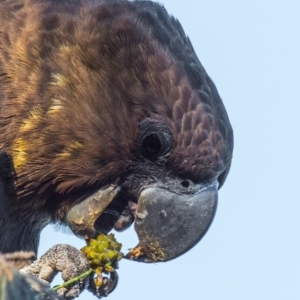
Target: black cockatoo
(107, 117)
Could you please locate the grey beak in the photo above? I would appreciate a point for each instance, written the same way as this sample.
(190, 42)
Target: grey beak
(169, 224)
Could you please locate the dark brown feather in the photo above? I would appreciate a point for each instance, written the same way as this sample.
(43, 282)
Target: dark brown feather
(76, 80)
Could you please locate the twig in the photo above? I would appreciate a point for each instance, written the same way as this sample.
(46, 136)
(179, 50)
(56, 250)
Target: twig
(75, 279)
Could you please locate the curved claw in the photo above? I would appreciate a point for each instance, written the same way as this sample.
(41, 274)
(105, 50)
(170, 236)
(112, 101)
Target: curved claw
(112, 282)
(108, 285)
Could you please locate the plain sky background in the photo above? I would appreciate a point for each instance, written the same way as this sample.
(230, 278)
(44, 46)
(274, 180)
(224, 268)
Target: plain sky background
(251, 50)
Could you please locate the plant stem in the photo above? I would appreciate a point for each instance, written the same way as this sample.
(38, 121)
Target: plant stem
(75, 279)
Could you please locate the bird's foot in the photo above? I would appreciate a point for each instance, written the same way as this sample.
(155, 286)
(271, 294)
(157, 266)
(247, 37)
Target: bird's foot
(71, 263)
(65, 259)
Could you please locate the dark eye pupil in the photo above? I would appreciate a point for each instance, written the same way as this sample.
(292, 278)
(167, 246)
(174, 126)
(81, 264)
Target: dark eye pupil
(152, 144)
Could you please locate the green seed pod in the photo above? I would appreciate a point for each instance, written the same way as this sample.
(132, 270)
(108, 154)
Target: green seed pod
(100, 248)
(103, 252)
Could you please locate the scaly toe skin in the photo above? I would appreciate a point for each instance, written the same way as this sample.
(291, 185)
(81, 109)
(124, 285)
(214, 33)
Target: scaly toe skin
(65, 259)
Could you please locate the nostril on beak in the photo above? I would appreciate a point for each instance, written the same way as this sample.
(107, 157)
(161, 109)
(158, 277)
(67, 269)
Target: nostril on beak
(185, 184)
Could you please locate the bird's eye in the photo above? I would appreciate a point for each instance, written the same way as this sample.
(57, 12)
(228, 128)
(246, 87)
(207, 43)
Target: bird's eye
(155, 140)
(151, 145)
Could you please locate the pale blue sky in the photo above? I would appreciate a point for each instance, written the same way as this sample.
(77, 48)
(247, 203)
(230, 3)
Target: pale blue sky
(251, 49)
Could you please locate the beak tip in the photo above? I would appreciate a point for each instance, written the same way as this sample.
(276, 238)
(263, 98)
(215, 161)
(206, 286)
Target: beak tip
(138, 254)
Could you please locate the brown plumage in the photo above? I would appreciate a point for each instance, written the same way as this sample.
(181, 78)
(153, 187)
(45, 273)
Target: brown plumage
(95, 93)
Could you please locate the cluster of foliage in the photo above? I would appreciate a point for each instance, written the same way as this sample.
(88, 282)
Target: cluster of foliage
(102, 253)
